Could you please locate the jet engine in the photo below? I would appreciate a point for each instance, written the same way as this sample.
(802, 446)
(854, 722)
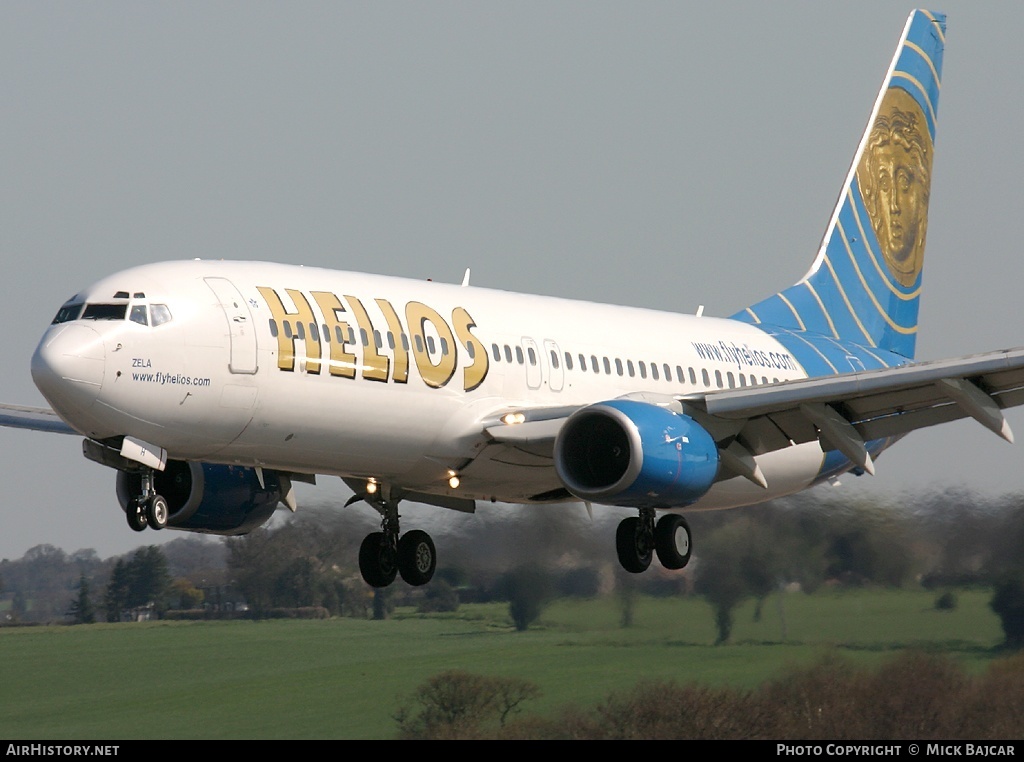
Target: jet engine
(203, 497)
(635, 454)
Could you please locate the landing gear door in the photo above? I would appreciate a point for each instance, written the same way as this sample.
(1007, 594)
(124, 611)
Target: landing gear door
(240, 325)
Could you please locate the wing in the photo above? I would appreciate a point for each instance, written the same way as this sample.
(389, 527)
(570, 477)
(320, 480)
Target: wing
(37, 418)
(847, 413)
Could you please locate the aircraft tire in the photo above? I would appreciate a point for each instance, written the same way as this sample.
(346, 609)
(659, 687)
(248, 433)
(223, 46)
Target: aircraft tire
(634, 551)
(377, 561)
(137, 520)
(417, 557)
(672, 541)
(157, 512)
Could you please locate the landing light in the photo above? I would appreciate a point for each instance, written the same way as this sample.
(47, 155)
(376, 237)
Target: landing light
(513, 418)
(453, 480)
(371, 486)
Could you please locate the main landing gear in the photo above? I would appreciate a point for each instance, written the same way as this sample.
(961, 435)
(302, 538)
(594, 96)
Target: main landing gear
(148, 509)
(638, 538)
(384, 555)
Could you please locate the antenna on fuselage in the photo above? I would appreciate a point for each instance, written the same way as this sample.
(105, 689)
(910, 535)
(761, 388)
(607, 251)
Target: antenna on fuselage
(465, 278)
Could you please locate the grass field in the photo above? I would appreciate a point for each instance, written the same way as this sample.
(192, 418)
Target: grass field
(344, 678)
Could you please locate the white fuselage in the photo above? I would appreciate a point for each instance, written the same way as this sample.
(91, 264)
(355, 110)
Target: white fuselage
(398, 383)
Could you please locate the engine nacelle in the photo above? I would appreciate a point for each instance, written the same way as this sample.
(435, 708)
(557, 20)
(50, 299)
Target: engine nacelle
(203, 497)
(635, 454)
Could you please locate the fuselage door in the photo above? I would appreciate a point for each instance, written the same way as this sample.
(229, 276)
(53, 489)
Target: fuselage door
(533, 363)
(556, 372)
(241, 330)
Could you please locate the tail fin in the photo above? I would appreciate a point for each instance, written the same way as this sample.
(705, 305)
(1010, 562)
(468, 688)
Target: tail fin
(865, 283)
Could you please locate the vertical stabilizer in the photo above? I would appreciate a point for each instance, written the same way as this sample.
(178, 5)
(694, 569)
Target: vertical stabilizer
(864, 286)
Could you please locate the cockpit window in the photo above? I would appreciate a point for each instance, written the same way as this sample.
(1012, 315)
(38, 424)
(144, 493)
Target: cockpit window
(105, 312)
(68, 312)
(159, 314)
(138, 315)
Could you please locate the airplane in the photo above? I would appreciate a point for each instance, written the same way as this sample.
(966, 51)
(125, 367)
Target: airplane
(211, 387)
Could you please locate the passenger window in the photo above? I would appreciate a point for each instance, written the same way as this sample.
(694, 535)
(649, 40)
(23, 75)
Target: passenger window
(273, 328)
(444, 345)
(654, 371)
(287, 329)
(554, 359)
(326, 332)
(593, 364)
(431, 348)
(532, 354)
(508, 353)
(496, 352)
(718, 379)
(704, 377)
(643, 369)
(630, 369)
(607, 366)
(314, 334)
(693, 376)
(300, 330)
(519, 355)
(732, 379)
(377, 342)
(138, 315)
(618, 366)
(568, 361)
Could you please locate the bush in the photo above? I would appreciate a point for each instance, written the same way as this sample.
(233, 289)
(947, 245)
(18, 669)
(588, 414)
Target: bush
(457, 704)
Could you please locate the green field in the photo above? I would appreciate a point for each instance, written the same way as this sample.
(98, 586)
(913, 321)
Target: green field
(344, 678)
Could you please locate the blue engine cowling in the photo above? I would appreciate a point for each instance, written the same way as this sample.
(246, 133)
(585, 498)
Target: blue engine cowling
(204, 497)
(635, 454)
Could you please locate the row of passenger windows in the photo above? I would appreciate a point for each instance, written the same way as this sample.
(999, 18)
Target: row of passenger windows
(301, 331)
(516, 354)
(619, 367)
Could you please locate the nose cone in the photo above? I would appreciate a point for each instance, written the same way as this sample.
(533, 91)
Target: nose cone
(68, 368)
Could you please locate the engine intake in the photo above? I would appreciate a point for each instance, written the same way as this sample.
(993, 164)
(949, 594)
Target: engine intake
(635, 454)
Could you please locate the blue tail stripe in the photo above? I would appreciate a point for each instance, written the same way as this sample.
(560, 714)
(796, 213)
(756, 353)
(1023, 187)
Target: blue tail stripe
(863, 291)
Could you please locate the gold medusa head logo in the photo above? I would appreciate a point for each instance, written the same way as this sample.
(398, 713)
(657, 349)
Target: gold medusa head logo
(894, 175)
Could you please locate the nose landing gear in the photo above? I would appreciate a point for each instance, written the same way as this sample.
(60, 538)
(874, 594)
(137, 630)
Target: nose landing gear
(149, 508)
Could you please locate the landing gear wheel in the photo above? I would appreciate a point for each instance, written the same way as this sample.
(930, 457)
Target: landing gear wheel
(157, 512)
(672, 541)
(377, 562)
(416, 557)
(634, 545)
(137, 516)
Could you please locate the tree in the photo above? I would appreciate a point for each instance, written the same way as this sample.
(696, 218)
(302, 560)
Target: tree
(528, 589)
(81, 611)
(1008, 604)
(739, 560)
(115, 600)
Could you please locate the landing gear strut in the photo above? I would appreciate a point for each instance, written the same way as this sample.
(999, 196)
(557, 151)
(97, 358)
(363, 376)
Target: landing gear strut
(383, 555)
(638, 538)
(148, 509)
